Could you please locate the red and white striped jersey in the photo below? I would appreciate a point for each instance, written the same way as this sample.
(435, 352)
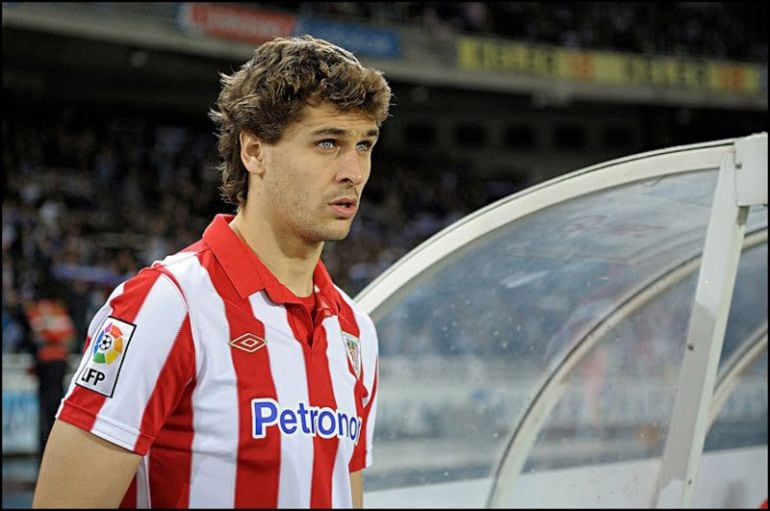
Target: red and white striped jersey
(213, 371)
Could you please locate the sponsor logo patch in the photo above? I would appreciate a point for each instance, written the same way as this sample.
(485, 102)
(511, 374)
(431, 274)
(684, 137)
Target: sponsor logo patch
(248, 343)
(353, 347)
(105, 356)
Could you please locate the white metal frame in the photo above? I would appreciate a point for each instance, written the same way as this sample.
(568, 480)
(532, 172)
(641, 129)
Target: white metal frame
(740, 176)
(719, 265)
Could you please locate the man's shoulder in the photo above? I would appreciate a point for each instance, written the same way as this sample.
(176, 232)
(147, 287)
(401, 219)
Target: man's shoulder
(173, 268)
(180, 260)
(172, 261)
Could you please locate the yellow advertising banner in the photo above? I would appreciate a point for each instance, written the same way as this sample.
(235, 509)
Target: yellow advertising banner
(610, 68)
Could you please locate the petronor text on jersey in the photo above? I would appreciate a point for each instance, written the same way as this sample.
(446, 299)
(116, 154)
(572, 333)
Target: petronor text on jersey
(307, 420)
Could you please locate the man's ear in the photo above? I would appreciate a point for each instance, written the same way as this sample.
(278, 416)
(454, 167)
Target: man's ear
(251, 153)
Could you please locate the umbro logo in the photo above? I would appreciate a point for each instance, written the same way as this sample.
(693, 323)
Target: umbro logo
(248, 343)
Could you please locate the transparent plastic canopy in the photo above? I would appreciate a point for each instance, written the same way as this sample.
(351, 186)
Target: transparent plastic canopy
(530, 352)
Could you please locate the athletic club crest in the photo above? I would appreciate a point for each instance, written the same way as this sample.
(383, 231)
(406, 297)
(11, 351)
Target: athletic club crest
(353, 347)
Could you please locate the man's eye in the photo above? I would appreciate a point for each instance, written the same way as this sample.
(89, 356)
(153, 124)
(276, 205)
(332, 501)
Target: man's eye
(364, 146)
(326, 144)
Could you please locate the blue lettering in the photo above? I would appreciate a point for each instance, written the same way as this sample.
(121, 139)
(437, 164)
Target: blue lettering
(288, 421)
(303, 415)
(326, 432)
(313, 418)
(264, 413)
(342, 420)
(309, 420)
(355, 426)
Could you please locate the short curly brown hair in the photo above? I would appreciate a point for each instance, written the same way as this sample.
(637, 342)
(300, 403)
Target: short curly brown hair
(269, 91)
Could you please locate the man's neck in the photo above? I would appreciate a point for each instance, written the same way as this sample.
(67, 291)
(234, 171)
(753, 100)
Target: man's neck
(291, 260)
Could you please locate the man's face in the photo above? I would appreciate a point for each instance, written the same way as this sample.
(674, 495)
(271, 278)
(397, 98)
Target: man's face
(313, 177)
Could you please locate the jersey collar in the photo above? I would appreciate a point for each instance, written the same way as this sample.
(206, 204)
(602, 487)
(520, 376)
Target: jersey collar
(250, 275)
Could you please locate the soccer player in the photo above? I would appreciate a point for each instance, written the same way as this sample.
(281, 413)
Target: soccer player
(235, 373)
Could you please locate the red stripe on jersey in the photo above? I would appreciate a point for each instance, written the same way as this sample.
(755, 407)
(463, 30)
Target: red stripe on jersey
(172, 380)
(259, 460)
(83, 405)
(301, 324)
(129, 499)
(321, 394)
(358, 460)
(170, 459)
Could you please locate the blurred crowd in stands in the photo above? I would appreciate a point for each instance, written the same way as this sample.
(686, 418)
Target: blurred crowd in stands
(91, 196)
(731, 30)
(89, 201)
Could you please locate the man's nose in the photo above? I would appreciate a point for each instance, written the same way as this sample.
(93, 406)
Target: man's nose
(352, 167)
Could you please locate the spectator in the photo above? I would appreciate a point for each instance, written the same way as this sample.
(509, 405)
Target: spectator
(53, 335)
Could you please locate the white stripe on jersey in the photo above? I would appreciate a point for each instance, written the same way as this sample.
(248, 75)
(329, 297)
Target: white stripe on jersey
(342, 381)
(215, 397)
(157, 325)
(287, 365)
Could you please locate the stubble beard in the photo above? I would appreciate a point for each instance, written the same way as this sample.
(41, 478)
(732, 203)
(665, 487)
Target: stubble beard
(330, 230)
(333, 233)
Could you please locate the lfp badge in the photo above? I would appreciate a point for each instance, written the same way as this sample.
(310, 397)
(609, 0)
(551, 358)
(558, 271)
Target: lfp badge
(110, 344)
(108, 350)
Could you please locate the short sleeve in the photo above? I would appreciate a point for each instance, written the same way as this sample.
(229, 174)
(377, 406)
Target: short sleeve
(138, 359)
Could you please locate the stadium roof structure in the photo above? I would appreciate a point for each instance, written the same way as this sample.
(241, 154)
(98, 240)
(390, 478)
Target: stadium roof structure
(597, 340)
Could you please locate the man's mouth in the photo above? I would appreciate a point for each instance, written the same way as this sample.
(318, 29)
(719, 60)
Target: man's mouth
(344, 207)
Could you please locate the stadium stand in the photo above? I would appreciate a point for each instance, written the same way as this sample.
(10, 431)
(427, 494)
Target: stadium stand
(714, 29)
(93, 194)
